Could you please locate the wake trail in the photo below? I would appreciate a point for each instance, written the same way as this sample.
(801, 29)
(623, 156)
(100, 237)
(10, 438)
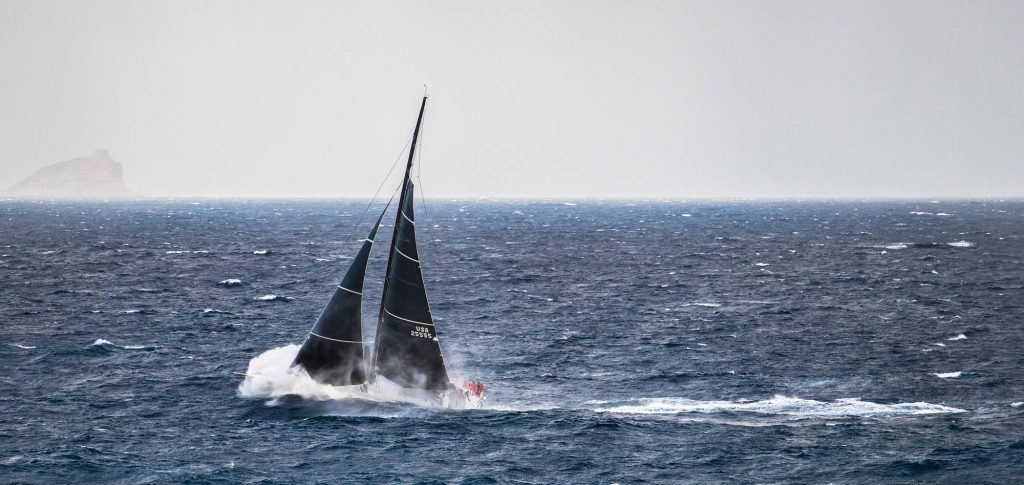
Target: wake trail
(778, 405)
(271, 375)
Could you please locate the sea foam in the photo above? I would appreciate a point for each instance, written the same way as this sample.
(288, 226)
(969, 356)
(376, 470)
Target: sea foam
(271, 375)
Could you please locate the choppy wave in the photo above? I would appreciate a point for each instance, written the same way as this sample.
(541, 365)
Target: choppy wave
(208, 311)
(104, 343)
(706, 305)
(961, 244)
(778, 405)
(273, 297)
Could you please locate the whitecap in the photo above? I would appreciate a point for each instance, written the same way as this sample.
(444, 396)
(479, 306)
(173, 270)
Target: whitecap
(942, 214)
(100, 342)
(708, 305)
(919, 213)
(761, 264)
(272, 297)
(961, 244)
(570, 204)
(1017, 404)
(948, 375)
(19, 346)
(778, 405)
(230, 282)
(261, 252)
(895, 246)
(958, 337)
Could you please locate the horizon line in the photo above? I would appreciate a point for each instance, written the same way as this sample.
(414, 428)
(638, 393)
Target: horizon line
(555, 198)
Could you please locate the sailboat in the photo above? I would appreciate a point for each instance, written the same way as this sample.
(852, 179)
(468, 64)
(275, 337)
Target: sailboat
(406, 357)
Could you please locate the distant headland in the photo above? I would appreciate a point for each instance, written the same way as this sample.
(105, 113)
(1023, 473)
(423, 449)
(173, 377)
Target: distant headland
(96, 176)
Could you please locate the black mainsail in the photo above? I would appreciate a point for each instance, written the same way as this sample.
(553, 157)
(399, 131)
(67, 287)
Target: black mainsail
(333, 350)
(407, 350)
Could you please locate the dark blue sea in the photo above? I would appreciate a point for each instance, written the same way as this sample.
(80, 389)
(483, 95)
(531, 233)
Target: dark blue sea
(620, 342)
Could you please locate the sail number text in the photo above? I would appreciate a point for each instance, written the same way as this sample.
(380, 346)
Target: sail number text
(421, 332)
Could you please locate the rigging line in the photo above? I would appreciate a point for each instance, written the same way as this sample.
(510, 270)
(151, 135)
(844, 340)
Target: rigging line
(394, 164)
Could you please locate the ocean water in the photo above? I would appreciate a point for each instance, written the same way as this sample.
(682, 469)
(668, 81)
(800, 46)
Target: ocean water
(620, 342)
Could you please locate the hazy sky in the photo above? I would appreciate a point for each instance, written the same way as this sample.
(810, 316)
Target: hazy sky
(527, 99)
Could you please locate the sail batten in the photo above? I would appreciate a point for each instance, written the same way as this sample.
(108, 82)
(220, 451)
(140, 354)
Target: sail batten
(354, 292)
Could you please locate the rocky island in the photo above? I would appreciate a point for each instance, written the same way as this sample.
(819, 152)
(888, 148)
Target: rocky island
(96, 176)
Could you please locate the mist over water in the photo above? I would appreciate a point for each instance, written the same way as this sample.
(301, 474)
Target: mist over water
(619, 342)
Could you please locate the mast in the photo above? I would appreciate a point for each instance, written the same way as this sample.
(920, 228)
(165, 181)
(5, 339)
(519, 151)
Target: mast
(394, 234)
(408, 170)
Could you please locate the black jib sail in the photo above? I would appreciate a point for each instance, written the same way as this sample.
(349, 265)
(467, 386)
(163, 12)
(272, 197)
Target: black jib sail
(407, 350)
(333, 350)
